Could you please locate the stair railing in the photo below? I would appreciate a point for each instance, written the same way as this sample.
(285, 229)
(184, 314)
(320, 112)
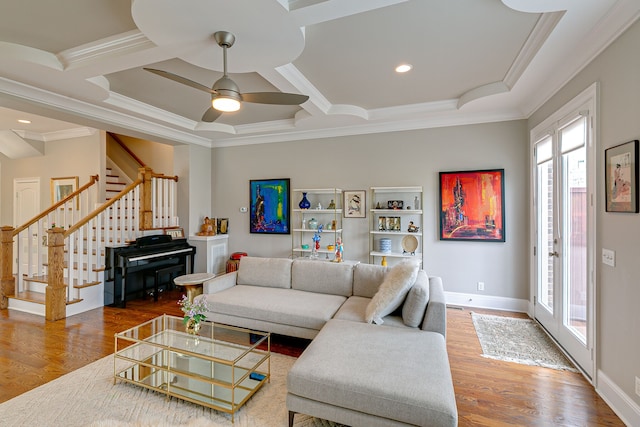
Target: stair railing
(142, 205)
(147, 203)
(31, 238)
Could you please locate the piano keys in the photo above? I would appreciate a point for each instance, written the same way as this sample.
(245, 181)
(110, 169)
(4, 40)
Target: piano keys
(126, 265)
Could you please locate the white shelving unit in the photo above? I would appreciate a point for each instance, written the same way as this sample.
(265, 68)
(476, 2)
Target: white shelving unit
(302, 234)
(397, 229)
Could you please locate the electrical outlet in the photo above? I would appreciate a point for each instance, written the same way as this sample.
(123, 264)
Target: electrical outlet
(243, 209)
(638, 386)
(609, 257)
(481, 286)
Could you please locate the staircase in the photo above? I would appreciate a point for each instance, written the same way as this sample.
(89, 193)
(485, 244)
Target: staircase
(114, 183)
(60, 272)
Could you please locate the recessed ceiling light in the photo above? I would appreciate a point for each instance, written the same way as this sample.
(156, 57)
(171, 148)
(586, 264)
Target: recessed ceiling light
(24, 121)
(403, 68)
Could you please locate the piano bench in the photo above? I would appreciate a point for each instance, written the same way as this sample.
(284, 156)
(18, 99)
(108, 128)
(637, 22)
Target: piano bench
(173, 271)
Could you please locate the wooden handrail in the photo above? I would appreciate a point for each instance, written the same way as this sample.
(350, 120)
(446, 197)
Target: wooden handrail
(92, 180)
(163, 176)
(102, 208)
(127, 149)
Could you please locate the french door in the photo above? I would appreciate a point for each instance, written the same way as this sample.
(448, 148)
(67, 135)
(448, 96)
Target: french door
(564, 176)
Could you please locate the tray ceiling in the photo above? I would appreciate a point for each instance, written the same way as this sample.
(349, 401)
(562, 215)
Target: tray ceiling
(473, 61)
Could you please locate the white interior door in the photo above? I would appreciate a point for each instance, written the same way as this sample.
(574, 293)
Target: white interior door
(564, 236)
(26, 206)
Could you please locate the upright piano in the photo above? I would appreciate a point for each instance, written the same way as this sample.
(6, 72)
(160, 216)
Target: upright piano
(126, 265)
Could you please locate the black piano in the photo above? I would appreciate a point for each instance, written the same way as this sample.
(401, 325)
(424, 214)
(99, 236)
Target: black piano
(127, 267)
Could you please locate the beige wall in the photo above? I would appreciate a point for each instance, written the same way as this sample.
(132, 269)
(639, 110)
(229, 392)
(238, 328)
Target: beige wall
(158, 157)
(79, 157)
(392, 159)
(617, 288)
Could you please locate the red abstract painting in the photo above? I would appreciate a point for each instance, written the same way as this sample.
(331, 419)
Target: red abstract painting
(472, 205)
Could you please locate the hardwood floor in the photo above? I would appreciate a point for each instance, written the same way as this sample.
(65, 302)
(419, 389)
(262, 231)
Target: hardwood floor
(488, 392)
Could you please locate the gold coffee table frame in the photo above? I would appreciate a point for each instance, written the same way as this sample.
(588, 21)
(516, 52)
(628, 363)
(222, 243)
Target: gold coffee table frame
(220, 368)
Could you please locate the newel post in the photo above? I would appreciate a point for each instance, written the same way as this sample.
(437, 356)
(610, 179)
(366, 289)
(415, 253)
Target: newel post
(56, 291)
(146, 217)
(7, 281)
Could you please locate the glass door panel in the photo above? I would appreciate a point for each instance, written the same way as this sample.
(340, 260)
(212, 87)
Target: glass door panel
(575, 244)
(562, 213)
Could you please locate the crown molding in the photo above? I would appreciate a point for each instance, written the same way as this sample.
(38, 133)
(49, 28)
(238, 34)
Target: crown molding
(78, 132)
(129, 42)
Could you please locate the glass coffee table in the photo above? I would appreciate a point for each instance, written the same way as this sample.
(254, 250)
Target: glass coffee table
(220, 368)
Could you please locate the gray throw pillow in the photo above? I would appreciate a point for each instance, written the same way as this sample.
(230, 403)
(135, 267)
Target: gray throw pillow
(415, 304)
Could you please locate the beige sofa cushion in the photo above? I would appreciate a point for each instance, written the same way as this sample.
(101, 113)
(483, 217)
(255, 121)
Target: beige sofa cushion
(269, 272)
(367, 278)
(322, 277)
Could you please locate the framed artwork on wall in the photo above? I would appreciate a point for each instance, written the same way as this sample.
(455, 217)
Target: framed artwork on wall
(63, 187)
(621, 177)
(270, 203)
(354, 203)
(472, 205)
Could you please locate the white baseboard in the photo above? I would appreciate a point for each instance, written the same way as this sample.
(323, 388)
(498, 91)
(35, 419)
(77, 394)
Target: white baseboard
(27, 307)
(487, 301)
(618, 400)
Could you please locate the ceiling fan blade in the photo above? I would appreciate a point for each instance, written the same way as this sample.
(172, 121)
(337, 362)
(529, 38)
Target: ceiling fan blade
(274, 98)
(180, 79)
(211, 115)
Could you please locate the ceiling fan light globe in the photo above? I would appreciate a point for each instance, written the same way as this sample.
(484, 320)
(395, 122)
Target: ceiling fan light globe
(225, 104)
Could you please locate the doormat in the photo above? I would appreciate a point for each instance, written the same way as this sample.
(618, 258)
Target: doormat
(518, 340)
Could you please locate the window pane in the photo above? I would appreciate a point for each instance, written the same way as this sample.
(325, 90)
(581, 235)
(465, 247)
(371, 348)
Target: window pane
(575, 243)
(545, 234)
(544, 150)
(573, 136)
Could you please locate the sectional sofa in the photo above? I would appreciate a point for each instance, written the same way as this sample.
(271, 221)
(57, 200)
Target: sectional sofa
(378, 354)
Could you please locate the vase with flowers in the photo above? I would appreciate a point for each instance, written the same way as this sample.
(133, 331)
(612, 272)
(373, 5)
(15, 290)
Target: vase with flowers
(194, 313)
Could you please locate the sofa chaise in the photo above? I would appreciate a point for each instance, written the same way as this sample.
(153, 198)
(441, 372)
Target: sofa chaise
(378, 354)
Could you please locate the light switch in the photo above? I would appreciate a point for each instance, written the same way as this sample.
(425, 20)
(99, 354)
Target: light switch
(609, 257)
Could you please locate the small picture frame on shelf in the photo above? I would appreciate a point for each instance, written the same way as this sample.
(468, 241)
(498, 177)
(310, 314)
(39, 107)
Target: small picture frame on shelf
(395, 204)
(223, 225)
(175, 233)
(382, 223)
(354, 203)
(396, 224)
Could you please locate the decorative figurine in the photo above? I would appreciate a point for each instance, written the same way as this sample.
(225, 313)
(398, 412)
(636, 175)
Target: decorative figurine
(339, 250)
(208, 227)
(319, 206)
(332, 205)
(412, 228)
(316, 243)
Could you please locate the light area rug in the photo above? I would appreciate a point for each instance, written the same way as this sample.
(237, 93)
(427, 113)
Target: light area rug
(518, 340)
(88, 397)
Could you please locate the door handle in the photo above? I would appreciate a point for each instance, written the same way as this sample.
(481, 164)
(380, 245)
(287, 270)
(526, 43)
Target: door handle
(554, 253)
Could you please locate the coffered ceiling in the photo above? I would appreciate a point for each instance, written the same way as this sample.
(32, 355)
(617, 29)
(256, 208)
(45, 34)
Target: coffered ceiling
(473, 61)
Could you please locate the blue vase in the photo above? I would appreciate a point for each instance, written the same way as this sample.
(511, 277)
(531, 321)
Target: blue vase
(304, 203)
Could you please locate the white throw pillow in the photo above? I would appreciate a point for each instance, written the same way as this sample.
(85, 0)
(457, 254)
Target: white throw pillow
(392, 292)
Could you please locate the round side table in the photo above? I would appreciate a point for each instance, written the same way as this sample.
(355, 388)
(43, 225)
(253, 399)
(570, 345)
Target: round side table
(193, 283)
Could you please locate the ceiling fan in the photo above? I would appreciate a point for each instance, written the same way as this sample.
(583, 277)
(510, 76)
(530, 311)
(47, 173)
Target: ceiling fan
(225, 94)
